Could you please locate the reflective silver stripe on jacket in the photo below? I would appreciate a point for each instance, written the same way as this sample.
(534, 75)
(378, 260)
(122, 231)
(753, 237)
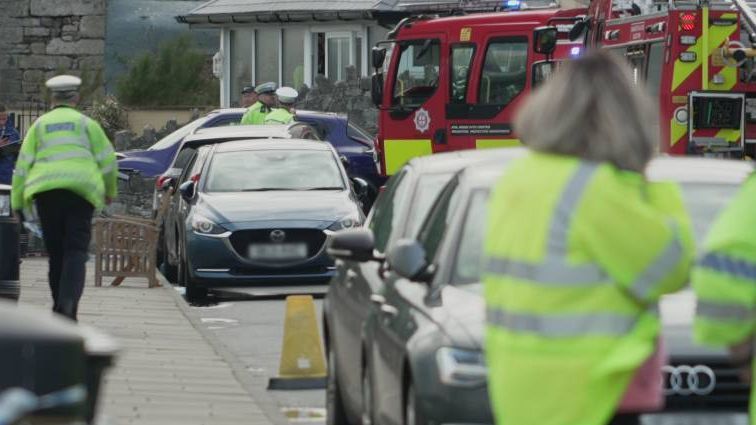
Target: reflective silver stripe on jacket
(735, 267)
(552, 271)
(60, 176)
(719, 311)
(555, 270)
(77, 154)
(24, 157)
(672, 254)
(562, 325)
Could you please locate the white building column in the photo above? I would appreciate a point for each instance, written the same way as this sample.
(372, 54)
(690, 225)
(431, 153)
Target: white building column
(308, 59)
(225, 80)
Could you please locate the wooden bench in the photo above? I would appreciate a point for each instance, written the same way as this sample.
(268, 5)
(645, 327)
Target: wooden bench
(127, 246)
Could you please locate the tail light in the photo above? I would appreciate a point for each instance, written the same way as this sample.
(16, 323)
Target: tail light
(195, 178)
(160, 181)
(688, 21)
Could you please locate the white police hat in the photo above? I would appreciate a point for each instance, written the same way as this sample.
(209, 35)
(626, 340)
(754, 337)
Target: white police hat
(266, 88)
(287, 95)
(64, 83)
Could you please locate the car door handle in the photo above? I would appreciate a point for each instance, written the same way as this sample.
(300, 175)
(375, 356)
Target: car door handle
(389, 310)
(378, 300)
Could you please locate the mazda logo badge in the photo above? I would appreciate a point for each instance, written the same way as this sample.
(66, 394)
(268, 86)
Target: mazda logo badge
(687, 380)
(277, 236)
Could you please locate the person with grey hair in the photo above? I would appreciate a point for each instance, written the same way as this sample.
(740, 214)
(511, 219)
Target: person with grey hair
(67, 170)
(579, 247)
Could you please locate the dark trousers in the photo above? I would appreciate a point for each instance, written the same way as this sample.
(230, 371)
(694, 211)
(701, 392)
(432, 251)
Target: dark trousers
(66, 220)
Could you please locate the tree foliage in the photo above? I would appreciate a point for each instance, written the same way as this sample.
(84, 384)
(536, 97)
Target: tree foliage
(178, 74)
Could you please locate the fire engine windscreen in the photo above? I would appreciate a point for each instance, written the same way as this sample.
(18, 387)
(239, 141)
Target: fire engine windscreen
(417, 72)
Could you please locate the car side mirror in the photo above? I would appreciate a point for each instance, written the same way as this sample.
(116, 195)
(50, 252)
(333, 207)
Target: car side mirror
(360, 187)
(545, 40)
(187, 190)
(408, 259)
(352, 245)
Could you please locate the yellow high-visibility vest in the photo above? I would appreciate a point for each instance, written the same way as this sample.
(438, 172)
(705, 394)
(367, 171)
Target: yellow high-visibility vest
(64, 149)
(578, 254)
(724, 278)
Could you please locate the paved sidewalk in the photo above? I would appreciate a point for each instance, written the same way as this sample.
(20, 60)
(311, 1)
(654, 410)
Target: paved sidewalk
(167, 373)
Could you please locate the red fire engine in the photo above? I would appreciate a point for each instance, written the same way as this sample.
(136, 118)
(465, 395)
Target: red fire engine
(693, 59)
(455, 82)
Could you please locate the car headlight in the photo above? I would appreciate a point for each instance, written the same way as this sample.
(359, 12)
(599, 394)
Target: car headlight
(204, 226)
(461, 368)
(5, 206)
(346, 223)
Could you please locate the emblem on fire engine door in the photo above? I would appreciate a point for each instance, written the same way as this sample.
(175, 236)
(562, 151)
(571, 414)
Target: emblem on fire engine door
(422, 120)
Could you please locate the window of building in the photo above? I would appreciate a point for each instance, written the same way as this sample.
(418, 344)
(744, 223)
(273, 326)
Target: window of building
(293, 56)
(266, 54)
(241, 61)
(504, 72)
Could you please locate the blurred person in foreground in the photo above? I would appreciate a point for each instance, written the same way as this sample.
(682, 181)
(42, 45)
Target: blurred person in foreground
(724, 280)
(9, 146)
(580, 247)
(67, 169)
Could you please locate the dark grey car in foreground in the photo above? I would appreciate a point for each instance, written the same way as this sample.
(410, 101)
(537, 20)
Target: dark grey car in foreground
(425, 361)
(398, 213)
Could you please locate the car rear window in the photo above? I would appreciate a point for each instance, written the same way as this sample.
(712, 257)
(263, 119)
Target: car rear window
(263, 170)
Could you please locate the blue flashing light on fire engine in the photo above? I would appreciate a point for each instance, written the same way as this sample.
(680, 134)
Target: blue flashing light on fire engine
(511, 4)
(575, 51)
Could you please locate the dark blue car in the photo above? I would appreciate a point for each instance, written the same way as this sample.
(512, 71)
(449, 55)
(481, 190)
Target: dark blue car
(349, 140)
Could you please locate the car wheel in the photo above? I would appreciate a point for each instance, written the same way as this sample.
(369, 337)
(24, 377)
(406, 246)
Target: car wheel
(169, 271)
(367, 398)
(194, 293)
(335, 413)
(412, 415)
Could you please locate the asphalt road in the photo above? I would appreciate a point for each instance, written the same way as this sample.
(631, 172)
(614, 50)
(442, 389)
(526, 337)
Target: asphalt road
(250, 325)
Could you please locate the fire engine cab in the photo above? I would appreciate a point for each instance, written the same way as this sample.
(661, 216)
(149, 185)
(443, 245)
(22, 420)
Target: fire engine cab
(694, 58)
(455, 82)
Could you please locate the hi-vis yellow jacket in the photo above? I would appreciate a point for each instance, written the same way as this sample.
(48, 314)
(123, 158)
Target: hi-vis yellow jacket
(65, 149)
(578, 254)
(255, 114)
(724, 279)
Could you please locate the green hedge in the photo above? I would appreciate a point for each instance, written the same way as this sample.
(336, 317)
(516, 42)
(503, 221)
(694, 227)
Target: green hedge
(178, 74)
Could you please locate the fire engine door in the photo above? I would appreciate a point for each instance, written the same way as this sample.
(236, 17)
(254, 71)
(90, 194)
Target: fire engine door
(488, 81)
(414, 123)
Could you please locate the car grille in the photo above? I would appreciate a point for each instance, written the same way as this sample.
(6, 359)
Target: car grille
(314, 238)
(728, 392)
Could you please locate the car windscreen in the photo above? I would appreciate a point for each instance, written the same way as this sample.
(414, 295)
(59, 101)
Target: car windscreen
(427, 190)
(468, 261)
(178, 135)
(260, 170)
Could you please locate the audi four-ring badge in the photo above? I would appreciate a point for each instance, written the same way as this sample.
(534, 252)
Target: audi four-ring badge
(688, 380)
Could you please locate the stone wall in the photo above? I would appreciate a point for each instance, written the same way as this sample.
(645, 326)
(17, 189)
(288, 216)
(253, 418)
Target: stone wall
(40, 38)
